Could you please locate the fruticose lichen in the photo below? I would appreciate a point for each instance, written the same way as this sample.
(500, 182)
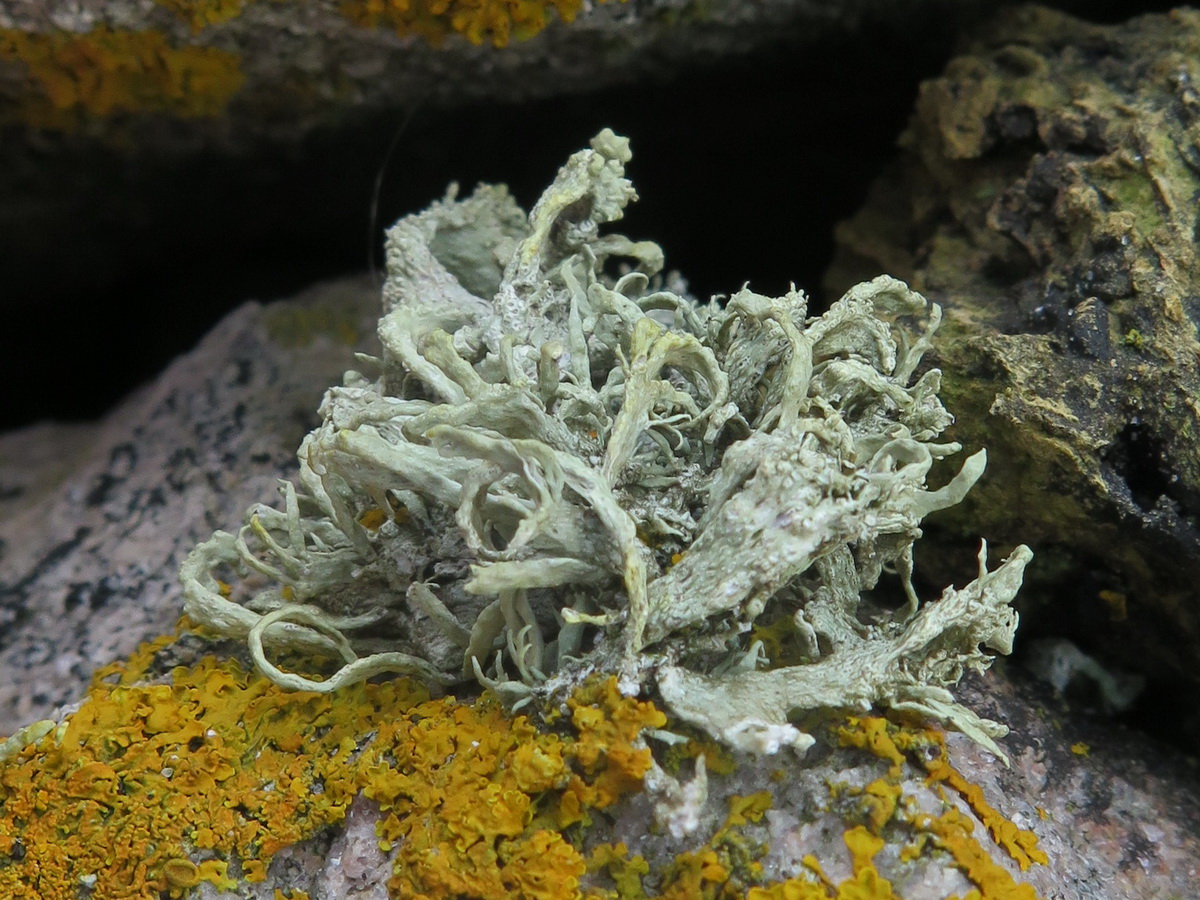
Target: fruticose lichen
(563, 464)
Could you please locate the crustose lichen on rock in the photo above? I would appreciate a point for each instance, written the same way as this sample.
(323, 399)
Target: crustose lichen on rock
(562, 463)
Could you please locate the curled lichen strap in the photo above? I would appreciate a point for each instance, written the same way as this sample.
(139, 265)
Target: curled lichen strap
(353, 671)
(205, 603)
(438, 348)
(652, 348)
(400, 332)
(523, 636)
(543, 572)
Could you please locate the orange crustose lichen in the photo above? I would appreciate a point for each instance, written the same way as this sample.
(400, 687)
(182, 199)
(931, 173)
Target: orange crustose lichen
(498, 21)
(106, 71)
(706, 873)
(153, 788)
(952, 829)
(202, 13)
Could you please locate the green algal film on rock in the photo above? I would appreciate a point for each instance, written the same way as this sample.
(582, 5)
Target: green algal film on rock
(562, 463)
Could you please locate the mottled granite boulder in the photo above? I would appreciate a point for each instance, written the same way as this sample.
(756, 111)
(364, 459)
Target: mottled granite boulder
(1047, 198)
(95, 519)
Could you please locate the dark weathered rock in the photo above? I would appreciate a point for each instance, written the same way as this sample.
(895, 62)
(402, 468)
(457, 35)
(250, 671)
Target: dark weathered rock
(1047, 198)
(236, 72)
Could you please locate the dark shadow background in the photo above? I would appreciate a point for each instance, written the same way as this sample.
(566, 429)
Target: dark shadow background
(114, 262)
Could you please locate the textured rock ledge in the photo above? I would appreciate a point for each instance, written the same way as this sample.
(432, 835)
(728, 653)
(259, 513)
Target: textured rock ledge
(239, 71)
(1047, 196)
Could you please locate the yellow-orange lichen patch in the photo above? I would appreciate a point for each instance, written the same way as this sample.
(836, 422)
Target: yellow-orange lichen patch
(104, 71)
(881, 798)
(608, 725)
(698, 875)
(1020, 844)
(720, 869)
(475, 809)
(152, 789)
(792, 889)
(872, 733)
(497, 21)
(146, 773)
(626, 872)
(951, 830)
(864, 884)
(200, 14)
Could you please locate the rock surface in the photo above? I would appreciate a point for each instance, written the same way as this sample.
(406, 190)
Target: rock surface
(95, 519)
(1115, 815)
(240, 71)
(1047, 198)
(91, 543)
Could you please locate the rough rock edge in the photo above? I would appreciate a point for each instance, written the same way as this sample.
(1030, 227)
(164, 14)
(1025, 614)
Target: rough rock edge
(1046, 196)
(91, 535)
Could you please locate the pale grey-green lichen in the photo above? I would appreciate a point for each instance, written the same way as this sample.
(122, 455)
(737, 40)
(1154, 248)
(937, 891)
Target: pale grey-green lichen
(562, 463)
(26, 736)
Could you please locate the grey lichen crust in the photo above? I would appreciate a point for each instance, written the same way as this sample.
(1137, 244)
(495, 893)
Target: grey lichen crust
(563, 464)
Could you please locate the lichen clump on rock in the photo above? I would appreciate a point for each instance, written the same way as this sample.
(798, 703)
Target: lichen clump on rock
(562, 464)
